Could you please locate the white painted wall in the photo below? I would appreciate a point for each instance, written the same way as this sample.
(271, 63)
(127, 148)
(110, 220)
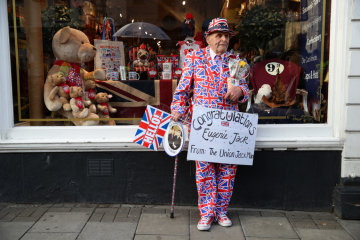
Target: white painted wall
(351, 152)
(6, 116)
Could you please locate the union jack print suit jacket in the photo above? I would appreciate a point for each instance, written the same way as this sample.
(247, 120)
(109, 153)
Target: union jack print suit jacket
(208, 82)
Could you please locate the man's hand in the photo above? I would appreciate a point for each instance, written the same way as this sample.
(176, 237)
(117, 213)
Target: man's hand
(234, 93)
(175, 116)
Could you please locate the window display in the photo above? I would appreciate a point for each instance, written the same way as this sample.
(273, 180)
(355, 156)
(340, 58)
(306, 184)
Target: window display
(103, 62)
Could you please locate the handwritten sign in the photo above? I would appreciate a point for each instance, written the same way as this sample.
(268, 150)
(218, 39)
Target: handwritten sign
(222, 136)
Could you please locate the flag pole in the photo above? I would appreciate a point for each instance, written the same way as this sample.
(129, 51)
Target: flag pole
(173, 190)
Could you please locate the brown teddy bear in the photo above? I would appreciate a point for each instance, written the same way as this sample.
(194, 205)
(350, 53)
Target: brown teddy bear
(89, 96)
(60, 90)
(71, 47)
(77, 103)
(104, 108)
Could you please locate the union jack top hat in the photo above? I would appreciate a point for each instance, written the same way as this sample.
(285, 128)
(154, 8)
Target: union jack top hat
(219, 25)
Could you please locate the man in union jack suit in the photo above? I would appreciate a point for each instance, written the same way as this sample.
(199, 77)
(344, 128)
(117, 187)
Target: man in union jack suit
(205, 72)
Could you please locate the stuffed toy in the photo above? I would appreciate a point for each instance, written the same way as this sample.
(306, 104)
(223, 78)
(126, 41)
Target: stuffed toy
(71, 47)
(77, 103)
(265, 90)
(280, 96)
(60, 90)
(142, 57)
(104, 108)
(188, 27)
(89, 95)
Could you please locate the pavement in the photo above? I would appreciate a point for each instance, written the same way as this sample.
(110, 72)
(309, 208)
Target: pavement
(83, 221)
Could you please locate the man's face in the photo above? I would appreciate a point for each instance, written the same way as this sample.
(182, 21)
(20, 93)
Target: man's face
(218, 42)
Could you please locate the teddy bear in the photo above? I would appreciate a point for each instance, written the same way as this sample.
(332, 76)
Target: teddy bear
(104, 108)
(60, 90)
(89, 95)
(142, 57)
(77, 103)
(71, 47)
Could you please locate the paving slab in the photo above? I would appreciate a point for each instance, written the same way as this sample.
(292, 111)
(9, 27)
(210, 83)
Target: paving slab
(70, 205)
(49, 236)
(70, 222)
(24, 219)
(126, 219)
(82, 209)
(194, 216)
(271, 227)
(327, 224)
(256, 238)
(122, 213)
(27, 212)
(96, 217)
(216, 231)
(135, 212)
(298, 215)
(11, 214)
(304, 223)
(320, 234)
(13, 230)
(322, 216)
(160, 237)
(4, 211)
(3, 205)
(104, 215)
(39, 212)
(272, 214)
(352, 227)
(154, 210)
(28, 216)
(162, 224)
(109, 214)
(108, 231)
(86, 205)
(109, 205)
(178, 211)
(248, 213)
(59, 209)
(46, 205)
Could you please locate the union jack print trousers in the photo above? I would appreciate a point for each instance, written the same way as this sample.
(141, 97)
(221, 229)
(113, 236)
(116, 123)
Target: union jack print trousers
(215, 183)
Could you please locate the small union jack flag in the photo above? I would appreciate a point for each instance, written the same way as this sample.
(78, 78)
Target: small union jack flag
(152, 128)
(224, 123)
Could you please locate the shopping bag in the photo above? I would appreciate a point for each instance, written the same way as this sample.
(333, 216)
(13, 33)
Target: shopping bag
(110, 53)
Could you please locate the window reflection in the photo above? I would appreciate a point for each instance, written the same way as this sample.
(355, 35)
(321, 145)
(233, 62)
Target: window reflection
(285, 42)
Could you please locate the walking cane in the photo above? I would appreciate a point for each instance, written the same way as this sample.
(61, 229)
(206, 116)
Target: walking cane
(173, 191)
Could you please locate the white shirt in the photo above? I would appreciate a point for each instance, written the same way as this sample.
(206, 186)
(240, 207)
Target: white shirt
(213, 54)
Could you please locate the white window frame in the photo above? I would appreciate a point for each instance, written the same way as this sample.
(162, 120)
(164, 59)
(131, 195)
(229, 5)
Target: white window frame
(327, 136)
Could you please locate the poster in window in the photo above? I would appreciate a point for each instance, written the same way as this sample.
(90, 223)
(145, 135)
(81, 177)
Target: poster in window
(312, 50)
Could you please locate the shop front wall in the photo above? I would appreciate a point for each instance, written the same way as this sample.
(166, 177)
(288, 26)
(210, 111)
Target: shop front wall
(292, 180)
(305, 117)
(308, 125)
(351, 153)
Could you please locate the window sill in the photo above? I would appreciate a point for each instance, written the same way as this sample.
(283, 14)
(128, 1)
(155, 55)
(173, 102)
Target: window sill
(119, 138)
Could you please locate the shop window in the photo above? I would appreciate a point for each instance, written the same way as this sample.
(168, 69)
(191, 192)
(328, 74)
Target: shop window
(286, 43)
